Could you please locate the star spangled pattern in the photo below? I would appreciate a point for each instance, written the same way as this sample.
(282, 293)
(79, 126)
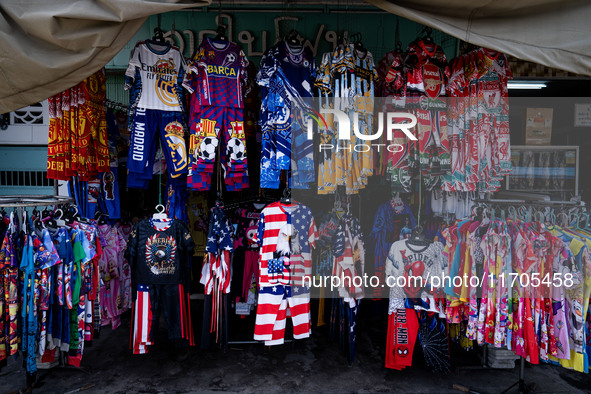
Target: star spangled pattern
(303, 222)
(275, 266)
(219, 236)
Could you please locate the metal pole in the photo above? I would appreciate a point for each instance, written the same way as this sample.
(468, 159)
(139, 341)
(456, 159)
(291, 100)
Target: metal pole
(522, 388)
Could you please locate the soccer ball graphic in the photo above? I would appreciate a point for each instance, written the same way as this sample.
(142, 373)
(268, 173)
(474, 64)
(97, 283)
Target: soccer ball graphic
(236, 149)
(207, 148)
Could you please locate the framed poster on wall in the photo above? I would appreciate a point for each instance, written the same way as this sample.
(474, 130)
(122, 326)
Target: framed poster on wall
(538, 127)
(583, 115)
(545, 169)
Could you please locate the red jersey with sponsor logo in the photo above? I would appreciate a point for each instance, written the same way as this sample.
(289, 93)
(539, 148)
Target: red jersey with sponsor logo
(427, 69)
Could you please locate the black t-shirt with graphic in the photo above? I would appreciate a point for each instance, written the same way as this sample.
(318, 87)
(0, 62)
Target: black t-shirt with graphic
(159, 252)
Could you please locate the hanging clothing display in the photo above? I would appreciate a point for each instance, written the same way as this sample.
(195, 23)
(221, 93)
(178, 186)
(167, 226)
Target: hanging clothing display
(159, 253)
(416, 80)
(408, 262)
(478, 121)
(245, 261)
(405, 261)
(216, 81)
(342, 255)
(52, 291)
(345, 73)
(463, 142)
(64, 277)
(539, 323)
(394, 220)
(99, 194)
(286, 76)
(286, 233)
(78, 143)
(154, 77)
(216, 277)
(116, 274)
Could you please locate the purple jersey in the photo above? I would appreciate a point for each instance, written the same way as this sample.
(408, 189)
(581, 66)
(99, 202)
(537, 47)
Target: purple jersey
(222, 67)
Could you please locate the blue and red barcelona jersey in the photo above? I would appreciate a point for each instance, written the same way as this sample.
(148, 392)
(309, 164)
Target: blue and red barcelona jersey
(222, 70)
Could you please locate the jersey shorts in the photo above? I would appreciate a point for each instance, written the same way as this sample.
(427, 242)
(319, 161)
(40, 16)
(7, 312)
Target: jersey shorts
(221, 129)
(147, 127)
(273, 302)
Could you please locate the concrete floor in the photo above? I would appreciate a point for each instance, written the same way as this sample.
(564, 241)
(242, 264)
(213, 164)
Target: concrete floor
(310, 365)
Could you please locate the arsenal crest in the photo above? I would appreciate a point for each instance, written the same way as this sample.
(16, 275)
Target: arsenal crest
(433, 80)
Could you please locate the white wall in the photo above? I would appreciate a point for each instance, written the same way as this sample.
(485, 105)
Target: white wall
(28, 126)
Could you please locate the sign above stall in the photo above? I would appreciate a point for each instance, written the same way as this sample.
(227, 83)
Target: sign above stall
(255, 31)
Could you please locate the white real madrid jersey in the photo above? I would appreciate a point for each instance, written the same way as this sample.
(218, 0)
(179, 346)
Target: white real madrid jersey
(156, 70)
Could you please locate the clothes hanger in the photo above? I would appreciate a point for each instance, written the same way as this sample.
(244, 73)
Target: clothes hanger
(293, 38)
(47, 220)
(286, 198)
(100, 217)
(418, 237)
(59, 221)
(160, 213)
(219, 202)
(158, 36)
(427, 37)
(221, 33)
(356, 39)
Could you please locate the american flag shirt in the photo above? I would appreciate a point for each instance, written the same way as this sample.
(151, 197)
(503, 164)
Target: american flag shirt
(273, 218)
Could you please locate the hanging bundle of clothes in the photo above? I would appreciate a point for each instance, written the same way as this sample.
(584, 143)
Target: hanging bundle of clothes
(394, 220)
(159, 252)
(286, 76)
(535, 294)
(217, 81)
(287, 233)
(154, 77)
(61, 281)
(78, 130)
(524, 286)
(414, 308)
(340, 253)
(462, 112)
(478, 121)
(245, 260)
(347, 75)
(216, 276)
(416, 81)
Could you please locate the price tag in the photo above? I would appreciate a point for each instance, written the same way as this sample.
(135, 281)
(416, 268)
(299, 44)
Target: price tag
(242, 308)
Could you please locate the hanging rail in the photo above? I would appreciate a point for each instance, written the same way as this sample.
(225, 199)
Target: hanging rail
(32, 200)
(530, 202)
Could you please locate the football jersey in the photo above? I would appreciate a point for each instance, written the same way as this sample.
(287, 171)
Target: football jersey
(391, 78)
(222, 69)
(287, 72)
(157, 70)
(428, 71)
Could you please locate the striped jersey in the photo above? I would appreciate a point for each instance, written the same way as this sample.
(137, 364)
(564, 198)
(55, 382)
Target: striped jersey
(221, 68)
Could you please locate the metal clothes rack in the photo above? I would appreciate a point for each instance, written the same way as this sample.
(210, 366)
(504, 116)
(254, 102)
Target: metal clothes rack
(529, 202)
(33, 201)
(20, 202)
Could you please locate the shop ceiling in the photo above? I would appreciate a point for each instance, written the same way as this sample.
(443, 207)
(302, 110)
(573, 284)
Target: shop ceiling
(49, 47)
